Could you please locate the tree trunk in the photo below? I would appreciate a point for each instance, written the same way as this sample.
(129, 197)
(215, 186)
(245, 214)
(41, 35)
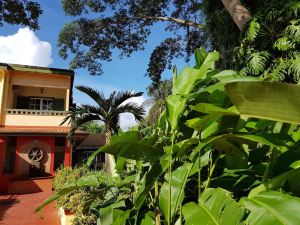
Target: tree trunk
(238, 12)
(110, 164)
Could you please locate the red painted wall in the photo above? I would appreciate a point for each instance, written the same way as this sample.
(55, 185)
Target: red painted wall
(24, 140)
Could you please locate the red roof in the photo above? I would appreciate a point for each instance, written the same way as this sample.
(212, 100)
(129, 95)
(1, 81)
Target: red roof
(37, 130)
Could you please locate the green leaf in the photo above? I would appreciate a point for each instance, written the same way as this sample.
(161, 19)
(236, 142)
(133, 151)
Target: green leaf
(225, 75)
(266, 100)
(203, 122)
(253, 30)
(272, 208)
(148, 220)
(216, 207)
(175, 105)
(147, 183)
(257, 61)
(178, 182)
(276, 182)
(54, 197)
(208, 108)
(130, 146)
(186, 81)
(108, 215)
(284, 44)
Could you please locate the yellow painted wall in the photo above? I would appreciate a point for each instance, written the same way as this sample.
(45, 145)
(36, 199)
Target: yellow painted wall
(40, 80)
(34, 120)
(57, 86)
(4, 87)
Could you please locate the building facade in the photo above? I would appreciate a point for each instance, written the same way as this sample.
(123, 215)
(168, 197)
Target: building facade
(33, 103)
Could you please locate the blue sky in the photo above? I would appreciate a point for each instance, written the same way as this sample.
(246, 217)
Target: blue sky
(119, 74)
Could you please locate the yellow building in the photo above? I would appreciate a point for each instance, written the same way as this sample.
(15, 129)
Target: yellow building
(33, 103)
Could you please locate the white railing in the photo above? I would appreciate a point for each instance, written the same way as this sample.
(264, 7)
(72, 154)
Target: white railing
(35, 112)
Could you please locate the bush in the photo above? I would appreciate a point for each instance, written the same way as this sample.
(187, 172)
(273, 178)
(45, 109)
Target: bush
(74, 201)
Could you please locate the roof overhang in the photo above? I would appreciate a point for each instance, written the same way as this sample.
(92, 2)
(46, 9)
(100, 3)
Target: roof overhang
(38, 131)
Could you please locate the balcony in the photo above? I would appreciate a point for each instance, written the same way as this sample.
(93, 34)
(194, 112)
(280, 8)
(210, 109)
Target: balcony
(25, 117)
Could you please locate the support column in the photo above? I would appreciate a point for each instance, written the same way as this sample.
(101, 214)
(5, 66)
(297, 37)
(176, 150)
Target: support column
(67, 102)
(68, 149)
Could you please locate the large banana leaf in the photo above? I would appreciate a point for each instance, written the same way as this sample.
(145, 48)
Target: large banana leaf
(272, 208)
(178, 182)
(130, 145)
(216, 208)
(185, 83)
(223, 141)
(266, 100)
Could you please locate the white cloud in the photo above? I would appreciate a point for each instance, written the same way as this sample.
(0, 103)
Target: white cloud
(24, 47)
(126, 119)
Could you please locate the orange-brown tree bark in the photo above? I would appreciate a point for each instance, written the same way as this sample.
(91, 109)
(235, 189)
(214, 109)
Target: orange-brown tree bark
(238, 12)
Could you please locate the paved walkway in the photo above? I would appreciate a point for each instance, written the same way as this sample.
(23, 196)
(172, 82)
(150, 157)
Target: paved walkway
(19, 210)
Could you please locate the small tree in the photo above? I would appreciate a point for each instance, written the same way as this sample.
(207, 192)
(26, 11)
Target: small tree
(106, 110)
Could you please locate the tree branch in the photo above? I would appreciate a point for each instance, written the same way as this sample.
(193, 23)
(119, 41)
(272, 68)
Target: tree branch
(176, 20)
(238, 12)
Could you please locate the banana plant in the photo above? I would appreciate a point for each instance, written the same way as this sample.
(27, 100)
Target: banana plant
(213, 124)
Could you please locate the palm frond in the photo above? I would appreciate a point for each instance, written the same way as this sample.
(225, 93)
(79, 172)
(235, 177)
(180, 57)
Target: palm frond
(122, 96)
(97, 96)
(148, 102)
(94, 109)
(253, 30)
(257, 61)
(155, 112)
(137, 111)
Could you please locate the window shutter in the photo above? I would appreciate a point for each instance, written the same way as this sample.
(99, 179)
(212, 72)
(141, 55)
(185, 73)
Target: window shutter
(58, 104)
(22, 102)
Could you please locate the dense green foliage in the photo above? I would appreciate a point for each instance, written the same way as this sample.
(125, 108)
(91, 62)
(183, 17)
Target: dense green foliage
(268, 47)
(126, 25)
(220, 154)
(21, 12)
(93, 127)
(75, 200)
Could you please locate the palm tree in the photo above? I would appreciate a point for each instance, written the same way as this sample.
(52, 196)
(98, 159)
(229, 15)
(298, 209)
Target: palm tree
(158, 100)
(107, 111)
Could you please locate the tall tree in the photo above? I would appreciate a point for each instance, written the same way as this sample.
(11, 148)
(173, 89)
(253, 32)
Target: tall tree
(106, 110)
(126, 25)
(21, 12)
(157, 100)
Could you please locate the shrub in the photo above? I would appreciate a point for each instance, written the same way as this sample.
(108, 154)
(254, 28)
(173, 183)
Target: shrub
(74, 201)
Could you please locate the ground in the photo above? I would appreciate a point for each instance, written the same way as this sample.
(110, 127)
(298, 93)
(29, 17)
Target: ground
(19, 209)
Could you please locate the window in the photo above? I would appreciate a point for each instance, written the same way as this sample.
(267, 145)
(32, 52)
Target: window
(40, 104)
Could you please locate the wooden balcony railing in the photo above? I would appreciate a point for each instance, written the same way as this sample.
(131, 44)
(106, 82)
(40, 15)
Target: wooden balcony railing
(35, 112)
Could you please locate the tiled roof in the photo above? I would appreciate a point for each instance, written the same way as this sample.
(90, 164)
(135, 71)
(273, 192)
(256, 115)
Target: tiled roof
(37, 130)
